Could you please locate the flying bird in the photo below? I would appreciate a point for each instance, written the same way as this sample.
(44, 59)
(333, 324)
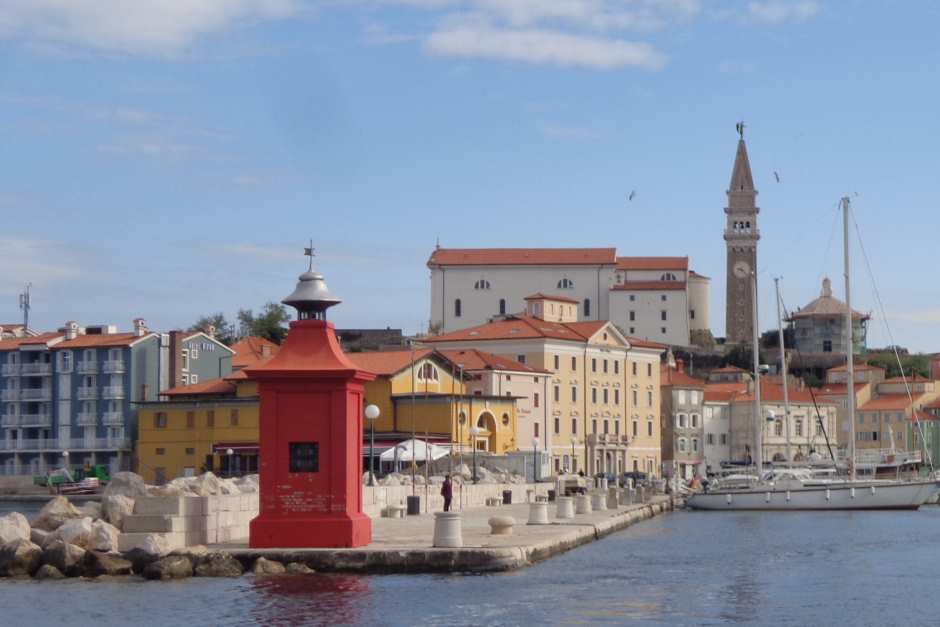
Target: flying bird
(632, 194)
(776, 176)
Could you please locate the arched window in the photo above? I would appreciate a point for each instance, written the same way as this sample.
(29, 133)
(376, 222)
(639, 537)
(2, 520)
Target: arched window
(482, 284)
(778, 427)
(457, 308)
(502, 305)
(668, 276)
(682, 445)
(695, 445)
(565, 284)
(587, 307)
(427, 372)
(462, 419)
(506, 420)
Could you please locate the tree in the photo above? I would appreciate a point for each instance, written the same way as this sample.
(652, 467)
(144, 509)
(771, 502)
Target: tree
(270, 324)
(224, 330)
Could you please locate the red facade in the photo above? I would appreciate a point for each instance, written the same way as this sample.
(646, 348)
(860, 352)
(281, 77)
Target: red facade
(310, 455)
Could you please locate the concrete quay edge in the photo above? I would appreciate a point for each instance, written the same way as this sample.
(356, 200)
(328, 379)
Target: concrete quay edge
(467, 560)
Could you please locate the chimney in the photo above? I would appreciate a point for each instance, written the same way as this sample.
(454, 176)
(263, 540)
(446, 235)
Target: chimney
(176, 358)
(265, 350)
(140, 327)
(680, 365)
(750, 386)
(210, 330)
(71, 330)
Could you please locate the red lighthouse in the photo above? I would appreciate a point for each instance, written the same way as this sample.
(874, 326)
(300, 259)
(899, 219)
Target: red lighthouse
(310, 433)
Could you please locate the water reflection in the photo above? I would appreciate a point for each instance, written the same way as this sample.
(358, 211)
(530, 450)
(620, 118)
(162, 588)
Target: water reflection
(310, 599)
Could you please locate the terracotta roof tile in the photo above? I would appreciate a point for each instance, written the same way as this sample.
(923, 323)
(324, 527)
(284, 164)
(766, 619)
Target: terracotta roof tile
(522, 256)
(106, 339)
(890, 401)
(473, 359)
(15, 342)
(252, 349)
(672, 376)
(859, 366)
(729, 369)
(652, 263)
(839, 389)
(387, 362)
(773, 393)
(210, 387)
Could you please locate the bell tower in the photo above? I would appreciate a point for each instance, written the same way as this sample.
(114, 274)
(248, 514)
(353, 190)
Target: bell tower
(741, 236)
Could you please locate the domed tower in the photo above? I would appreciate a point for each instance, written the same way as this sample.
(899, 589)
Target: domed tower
(741, 236)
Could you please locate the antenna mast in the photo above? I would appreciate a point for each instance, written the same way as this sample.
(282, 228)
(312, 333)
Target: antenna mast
(25, 306)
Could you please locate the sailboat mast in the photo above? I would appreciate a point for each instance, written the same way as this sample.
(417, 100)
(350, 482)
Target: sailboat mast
(783, 370)
(755, 339)
(849, 345)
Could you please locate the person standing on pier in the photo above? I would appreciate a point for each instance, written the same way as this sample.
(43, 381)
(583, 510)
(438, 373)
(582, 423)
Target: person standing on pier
(447, 491)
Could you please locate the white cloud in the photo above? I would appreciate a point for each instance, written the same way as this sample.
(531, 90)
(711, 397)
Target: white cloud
(539, 46)
(261, 253)
(150, 27)
(149, 148)
(776, 12)
(380, 35)
(925, 315)
(39, 262)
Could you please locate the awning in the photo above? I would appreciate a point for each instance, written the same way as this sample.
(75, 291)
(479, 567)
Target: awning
(415, 450)
(237, 447)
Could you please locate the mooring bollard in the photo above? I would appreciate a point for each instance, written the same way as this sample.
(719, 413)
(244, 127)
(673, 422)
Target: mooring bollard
(613, 498)
(448, 532)
(538, 513)
(602, 483)
(564, 507)
(582, 504)
(640, 494)
(599, 501)
(631, 496)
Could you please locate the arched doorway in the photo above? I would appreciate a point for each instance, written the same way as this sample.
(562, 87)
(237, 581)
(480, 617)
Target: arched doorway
(778, 457)
(486, 440)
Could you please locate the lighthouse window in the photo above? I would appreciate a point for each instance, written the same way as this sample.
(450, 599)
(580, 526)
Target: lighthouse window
(304, 456)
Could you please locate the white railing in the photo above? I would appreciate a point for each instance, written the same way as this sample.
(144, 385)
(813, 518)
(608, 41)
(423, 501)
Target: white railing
(9, 421)
(87, 419)
(36, 394)
(87, 367)
(36, 368)
(114, 418)
(36, 420)
(112, 391)
(84, 394)
(114, 366)
(36, 445)
(10, 370)
(101, 444)
(10, 394)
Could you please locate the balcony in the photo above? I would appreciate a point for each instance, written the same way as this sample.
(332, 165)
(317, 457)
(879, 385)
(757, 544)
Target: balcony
(87, 419)
(114, 418)
(112, 392)
(36, 445)
(9, 421)
(85, 394)
(36, 394)
(10, 370)
(10, 394)
(114, 366)
(87, 367)
(99, 444)
(36, 368)
(609, 439)
(36, 420)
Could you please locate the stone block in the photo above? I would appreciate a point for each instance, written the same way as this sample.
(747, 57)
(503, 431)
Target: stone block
(170, 506)
(167, 541)
(155, 524)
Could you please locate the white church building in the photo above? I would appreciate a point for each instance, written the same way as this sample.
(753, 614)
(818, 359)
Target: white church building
(654, 298)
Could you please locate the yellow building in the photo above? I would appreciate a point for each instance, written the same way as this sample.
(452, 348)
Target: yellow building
(604, 386)
(196, 426)
(422, 392)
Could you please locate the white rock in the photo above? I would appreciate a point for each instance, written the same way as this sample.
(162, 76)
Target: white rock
(464, 471)
(153, 543)
(76, 531)
(391, 480)
(13, 526)
(166, 490)
(436, 480)
(115, 508)
(92, 509)
(206, 484)
(54, 513)
(419, 479)
(38, 536)
(104, 537)
(228, 486)
(125, 483)
(248, 483)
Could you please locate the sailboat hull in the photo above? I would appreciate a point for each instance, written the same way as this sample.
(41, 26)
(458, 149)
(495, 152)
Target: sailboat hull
(859, 496)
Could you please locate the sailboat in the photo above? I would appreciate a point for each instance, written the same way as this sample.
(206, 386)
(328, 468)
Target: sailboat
(799, 488)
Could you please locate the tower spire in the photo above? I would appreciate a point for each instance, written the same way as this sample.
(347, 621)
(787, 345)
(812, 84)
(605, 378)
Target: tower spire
(741, 179)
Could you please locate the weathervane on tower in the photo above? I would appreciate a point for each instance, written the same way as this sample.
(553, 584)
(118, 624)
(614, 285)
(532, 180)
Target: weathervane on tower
(310, 252)
(740, 128)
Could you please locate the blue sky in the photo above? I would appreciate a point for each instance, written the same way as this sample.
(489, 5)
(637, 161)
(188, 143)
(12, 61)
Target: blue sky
(167, 160)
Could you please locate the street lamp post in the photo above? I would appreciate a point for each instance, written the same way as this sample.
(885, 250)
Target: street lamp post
(474, 432)
(372, 413)
(574, 443)
(771, 418)
(230, 453)
(535, 460)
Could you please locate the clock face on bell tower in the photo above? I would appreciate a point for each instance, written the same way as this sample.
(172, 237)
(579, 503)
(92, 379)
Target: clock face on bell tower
(741, 235)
